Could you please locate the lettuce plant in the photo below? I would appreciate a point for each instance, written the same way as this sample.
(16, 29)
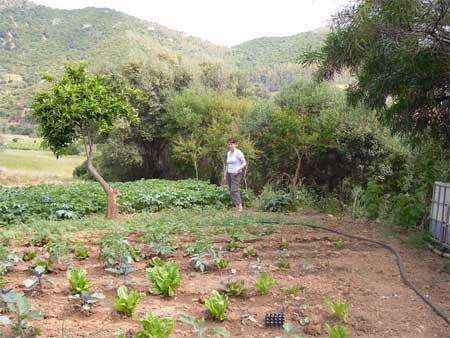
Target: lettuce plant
(263, 284)
(217, 305)
(164, 279)
(339, 309)
(154, 327)
(126, 301)
(337, 331)
(78, 281)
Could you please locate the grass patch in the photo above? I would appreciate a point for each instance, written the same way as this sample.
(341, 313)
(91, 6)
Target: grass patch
(22, 142)
(415, 240)
(35, 166)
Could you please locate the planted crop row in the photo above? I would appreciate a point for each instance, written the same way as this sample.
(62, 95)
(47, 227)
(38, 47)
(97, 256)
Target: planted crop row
(21, 204)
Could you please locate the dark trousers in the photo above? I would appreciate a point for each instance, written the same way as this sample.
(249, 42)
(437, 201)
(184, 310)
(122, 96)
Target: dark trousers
(233, 185)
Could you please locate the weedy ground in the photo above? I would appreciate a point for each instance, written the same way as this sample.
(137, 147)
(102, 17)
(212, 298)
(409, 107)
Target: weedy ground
(321, 267)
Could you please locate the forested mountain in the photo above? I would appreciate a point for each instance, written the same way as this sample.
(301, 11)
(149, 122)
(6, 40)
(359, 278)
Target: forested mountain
(36, 39)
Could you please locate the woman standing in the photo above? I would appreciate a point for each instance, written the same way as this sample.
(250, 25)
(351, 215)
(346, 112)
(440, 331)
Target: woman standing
(233, 172)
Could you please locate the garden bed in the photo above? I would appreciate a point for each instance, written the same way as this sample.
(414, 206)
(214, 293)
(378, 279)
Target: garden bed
(322, 266)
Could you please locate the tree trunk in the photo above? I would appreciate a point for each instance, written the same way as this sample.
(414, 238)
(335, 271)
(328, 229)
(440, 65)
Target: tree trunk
(112, 210)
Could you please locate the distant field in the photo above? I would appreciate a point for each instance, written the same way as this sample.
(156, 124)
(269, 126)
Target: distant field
(18, 167)
(21, 142)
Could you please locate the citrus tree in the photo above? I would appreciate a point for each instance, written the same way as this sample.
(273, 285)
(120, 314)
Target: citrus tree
(82, 106)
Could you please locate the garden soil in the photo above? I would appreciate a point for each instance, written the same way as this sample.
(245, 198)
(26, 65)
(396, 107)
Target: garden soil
(323, 265)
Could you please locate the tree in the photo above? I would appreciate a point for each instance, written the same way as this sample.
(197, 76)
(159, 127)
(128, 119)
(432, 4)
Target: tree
(399, 53)
(82, 106)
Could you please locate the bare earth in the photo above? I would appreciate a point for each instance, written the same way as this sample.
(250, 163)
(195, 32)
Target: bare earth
(362, 274)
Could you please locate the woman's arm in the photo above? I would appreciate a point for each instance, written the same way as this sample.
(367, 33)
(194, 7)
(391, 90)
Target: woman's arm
(242, 166)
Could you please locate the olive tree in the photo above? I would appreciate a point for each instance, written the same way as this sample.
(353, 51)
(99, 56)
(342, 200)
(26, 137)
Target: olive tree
(82, 106)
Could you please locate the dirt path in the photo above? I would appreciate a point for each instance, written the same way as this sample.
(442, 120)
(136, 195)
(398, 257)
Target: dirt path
(323, 265)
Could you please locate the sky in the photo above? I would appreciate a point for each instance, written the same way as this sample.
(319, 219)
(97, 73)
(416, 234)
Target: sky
(223, 22)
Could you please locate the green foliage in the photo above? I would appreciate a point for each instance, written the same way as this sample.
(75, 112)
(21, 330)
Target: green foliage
(291, 290)
(78, 281)
(399, 64)
(217, 305)
(263, 284)
(289, 329)
(274, 202)
(117, 254)
(164, 279)
(126, 301)
(81, 252)
(23, 204)
(86, 300)
(283, 261)
(339, 309)
(250, 252)
(236, 288)
(409, 209)
(28, 255)
(284, 245)
(201, 329)
(18, 304)
(373, 198)
(82, 103)
(58, 250)
(154, 327)
(337, 331)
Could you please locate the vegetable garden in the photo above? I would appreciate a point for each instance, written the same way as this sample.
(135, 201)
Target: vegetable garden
(194, 269)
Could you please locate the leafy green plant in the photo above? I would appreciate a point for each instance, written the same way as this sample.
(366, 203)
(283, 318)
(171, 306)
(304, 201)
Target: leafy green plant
(160, 241)
(18, 304)
(217, 305)
(274, 201)
(155, 261)
(28, 255)
(80, 251)
(154, 327)
(283, 261)
(86, 300)
(409, 208)
(78, 281)
(263, 284)
(198, 262)
(289, 329)
(164, 279)
(232, 245)
(236, 288)
(39, 272)
(46, 264)
(291, 290)
(118, 255)
(58, 250)
(339, 309)
(373, 198)
(250, 252)
(337, 331)
(126, 301)
(284, 245)
(201, 329)
(339, 244)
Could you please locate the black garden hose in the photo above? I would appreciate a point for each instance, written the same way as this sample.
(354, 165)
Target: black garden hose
(405, 278)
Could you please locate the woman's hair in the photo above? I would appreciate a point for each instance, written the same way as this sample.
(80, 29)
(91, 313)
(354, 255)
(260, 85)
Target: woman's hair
(232, 140)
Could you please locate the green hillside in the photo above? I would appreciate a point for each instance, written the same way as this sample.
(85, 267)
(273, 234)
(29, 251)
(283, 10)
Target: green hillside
(36, 39)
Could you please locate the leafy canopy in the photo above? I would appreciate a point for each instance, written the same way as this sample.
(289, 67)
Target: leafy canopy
(399, 52)
(80, 105)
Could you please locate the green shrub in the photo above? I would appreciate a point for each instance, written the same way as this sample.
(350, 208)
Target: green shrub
(373, 198)
(409, 208)
(274, 201)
